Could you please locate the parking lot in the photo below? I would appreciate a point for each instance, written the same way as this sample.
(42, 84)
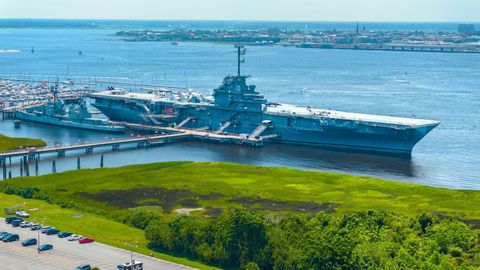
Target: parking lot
(67, 254)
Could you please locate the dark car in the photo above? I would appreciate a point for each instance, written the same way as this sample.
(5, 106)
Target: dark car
(3, 235)
(45, 247)
(51, 231)
(64, 234)
(11, 238)
(84, 267)
(16, 222)
(9, 220)
(29, 242)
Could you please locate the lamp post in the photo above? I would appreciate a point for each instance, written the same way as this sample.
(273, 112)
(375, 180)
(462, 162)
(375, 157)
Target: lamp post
(38, 236)
(131, 245)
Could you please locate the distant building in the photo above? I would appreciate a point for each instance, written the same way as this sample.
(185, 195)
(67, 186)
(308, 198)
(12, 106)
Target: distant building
(466, 28)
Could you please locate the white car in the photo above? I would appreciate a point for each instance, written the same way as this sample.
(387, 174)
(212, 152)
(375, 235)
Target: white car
(74, 237)
(25, 224)
(22, 214)
(46, 228)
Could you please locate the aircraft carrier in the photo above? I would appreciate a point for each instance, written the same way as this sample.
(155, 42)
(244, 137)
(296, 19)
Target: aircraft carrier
(237, 108)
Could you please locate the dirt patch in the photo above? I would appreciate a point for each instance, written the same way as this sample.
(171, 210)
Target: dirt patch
(213, 212)
(189, 203)
(187, 211)
(277, 206)
(165, 198)
(473, 223)
(210, 196)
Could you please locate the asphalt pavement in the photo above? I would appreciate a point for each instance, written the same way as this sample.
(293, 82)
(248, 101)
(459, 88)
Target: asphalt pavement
(68, 254)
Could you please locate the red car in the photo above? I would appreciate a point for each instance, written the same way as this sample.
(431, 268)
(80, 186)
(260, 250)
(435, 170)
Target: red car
(85, 240)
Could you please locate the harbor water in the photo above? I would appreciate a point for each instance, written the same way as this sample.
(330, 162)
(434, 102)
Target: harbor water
(439, 86)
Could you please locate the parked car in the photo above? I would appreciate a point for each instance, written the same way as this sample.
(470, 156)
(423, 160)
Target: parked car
(51, 231)
(45, 228)
(133, 265)
(29, 242)
(9, 220)
(16, 223)
(22, 214)
(45, 247)
(25, 224)
(64, 234)
(35, 227)
(74, 237)
(84, 267)
(11, 238)
(3, 235)
(86, 240)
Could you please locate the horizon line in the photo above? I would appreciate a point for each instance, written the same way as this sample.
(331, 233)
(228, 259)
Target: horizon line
(246, 20)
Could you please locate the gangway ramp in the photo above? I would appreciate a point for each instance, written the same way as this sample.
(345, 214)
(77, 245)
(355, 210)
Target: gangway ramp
(184, 122)
(257, 131)
(224, 126)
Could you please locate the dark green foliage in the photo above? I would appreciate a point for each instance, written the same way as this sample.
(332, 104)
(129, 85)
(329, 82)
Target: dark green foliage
(358, 240)
(141, 218)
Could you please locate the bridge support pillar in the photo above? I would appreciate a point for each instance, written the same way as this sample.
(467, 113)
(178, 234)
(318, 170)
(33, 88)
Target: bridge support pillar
(142, 144)
(115, 147)
(61, 153)
(89, 150)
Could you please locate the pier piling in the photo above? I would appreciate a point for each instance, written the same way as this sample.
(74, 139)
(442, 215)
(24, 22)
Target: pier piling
(78, 163)
(54, 167)
(26, 166)
(36, 166)
(4, 164)
(101, 161)
(61, 153)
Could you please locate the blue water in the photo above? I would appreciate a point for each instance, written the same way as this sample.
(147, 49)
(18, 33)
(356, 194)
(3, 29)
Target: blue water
(424, 85)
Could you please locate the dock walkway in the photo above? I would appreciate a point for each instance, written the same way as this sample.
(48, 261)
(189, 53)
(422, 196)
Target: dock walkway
(168, 134)
(115, 144)
(204, 135)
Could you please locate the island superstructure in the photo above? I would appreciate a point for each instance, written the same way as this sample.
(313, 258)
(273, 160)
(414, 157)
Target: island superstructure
(237, 108)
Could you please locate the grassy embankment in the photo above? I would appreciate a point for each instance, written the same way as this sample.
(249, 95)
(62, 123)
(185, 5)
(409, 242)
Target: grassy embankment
(213, 187)
(9, 143)
(216, 186)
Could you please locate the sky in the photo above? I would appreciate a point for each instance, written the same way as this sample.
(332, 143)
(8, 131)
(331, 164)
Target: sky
(278, 10)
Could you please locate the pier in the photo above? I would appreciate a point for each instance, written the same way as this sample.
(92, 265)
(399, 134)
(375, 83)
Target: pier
(89, 147)
(168, 134)
(204, 135)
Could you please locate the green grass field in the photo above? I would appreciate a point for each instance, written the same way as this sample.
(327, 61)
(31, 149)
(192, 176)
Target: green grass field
(216, 186)
(9, 143)
(103, 230)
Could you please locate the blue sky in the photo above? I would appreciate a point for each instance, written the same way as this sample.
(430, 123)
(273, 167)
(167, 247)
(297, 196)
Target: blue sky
(311, 10)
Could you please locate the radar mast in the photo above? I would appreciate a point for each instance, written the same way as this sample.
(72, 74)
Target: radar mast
(241, 51)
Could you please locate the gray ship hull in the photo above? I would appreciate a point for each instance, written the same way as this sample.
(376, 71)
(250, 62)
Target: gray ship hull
(398, 142)
(344, 135)
(66, 123)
